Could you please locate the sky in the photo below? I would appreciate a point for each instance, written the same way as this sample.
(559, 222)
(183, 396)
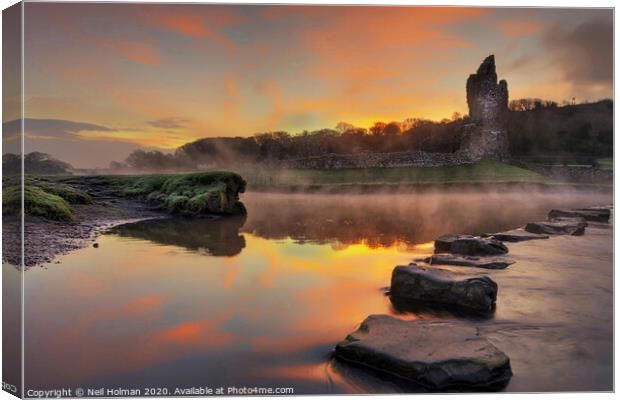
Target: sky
(104, 79)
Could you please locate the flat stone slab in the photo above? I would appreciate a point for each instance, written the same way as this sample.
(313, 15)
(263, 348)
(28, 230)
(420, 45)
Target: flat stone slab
(573, 220)
(415, 283)
(434, 354)
(469, 245)
(517, 235)
(556, 228)
(488, 262)
(595, 214)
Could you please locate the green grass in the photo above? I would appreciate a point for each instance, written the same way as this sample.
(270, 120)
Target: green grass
(51, 197)
(197, 193)
(214, 192)
(37, 202)
(43, 198)
(66, 192)
(481, 172)
(606, 163)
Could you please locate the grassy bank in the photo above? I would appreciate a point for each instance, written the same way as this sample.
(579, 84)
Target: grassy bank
(206, 192)
(42, 198)
(484, 172)
(51, 197)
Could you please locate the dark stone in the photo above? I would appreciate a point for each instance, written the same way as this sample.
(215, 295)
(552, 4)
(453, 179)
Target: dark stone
(517, 235)
(434, 354)
(487, 136)
(589, 214)
(437, 311)
(96, 245)
(434, 286)
(556, 228)
(469, 245)
(580, 222)
(488, 262)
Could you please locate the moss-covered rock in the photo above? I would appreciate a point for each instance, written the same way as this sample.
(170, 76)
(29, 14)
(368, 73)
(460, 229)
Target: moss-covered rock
(198, 193)
(37, 202)
(42, 198)
(187, 194)
(66, 192)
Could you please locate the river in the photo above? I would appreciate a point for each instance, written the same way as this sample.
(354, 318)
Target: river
(261, 301)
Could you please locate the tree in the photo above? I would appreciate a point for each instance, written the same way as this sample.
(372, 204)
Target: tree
(153, 160)
(344, 126)
(117, 166)
(377, 128)
(392, 129)
(43, 163)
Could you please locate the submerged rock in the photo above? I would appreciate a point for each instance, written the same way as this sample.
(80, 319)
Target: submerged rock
(573, 220)
(469, 245)
(488, 262)
(594, 214)
(434, 354)
(414, 283)
(517, 235)
(556, 228)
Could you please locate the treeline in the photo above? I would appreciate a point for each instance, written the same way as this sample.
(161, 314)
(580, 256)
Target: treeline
(583, 130)
(409, 135)
(536, 127)
(34, 163)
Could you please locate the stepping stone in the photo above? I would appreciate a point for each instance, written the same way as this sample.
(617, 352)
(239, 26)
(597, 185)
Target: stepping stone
(488, 262)
(434, 354)
(414, 283)
(595, 214)
(469, 245)
(517, 235)
(580, 221)
(556, 228)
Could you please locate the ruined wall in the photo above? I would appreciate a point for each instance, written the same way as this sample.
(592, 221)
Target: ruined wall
(487, 134)
(370, 160)
(565, 173)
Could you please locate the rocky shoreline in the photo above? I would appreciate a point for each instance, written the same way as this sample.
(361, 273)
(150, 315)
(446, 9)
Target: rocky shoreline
(440, 355)
(104, 202)
(44, 240)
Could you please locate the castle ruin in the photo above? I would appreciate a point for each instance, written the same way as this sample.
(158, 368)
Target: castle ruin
(486, 135)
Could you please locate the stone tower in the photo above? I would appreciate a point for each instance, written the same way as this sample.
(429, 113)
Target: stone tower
(486, 136)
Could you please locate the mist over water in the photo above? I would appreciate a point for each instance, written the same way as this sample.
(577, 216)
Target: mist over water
(385, 219)
(262, 299)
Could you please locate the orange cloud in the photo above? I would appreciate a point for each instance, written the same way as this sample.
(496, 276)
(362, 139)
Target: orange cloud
(515, 28)
(134, 51)
(206, 24)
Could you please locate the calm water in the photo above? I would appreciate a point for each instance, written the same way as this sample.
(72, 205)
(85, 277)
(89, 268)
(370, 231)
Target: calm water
(262, 300)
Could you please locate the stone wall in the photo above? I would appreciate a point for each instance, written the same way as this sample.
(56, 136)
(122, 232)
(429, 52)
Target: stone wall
(566, 173)
(370, 160)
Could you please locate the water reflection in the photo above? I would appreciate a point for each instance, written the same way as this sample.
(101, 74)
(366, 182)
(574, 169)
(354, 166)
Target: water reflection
(216, 237)
(145, 313)
(381, 220)
(275, 299)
